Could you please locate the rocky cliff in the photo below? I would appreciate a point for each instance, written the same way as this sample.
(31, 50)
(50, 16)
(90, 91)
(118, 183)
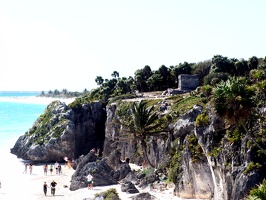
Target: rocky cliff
(63, 132)
(203, 159)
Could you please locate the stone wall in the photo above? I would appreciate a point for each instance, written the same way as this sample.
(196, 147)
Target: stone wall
(188, 82)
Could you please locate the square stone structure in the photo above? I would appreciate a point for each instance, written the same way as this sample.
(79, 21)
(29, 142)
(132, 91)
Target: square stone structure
(188, 82)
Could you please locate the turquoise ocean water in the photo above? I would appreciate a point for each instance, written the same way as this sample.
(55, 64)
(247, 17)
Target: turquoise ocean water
(17, 115)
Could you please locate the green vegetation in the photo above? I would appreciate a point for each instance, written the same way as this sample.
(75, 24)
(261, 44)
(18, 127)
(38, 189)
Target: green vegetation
(175, 170)
(215, 152)
(202, 120)
(47, 126)
(110, 194)
(62, 94)
(251, 167)
(143, 125)
(258, 192)
(194, 148)
(148, 171)
(184, 103)
(236, 89)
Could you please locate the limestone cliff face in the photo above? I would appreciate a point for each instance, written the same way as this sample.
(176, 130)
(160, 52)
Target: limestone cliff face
(218, 171)
(157, 146)
(212, 167)
(208, 164)
(61, 132)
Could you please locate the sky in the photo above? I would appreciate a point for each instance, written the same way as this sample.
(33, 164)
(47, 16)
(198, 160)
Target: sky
(65, 44)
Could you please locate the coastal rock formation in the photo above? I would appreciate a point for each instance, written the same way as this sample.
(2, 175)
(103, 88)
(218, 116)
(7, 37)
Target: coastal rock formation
(106, 171)
(158, 146)
(202, 159)
(63, 132)
(100, 170)
(203, 168)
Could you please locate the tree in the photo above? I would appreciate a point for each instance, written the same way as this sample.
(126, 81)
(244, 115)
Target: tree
(64, 92)
(253, 62)
(115, 74)
(154, 81)
(233, 102)
(99, 80)
(241, 67)
(42, 93)
(143, 126)
(56, 92)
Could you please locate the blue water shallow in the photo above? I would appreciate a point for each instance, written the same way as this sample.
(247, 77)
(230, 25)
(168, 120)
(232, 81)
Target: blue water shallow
(17, 117)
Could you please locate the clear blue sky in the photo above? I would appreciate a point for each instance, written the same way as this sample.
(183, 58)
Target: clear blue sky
(62, 44)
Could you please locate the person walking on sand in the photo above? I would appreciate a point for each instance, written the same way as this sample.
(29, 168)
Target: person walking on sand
(59, 169)
(51, 169)
(26, 168)
(53, 184)
(45, 186)
(69, 164)
(90, 181)
(56, 167)
(30, 167)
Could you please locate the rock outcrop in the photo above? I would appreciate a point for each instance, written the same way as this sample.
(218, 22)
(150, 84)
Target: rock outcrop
(100, 170)
(63, 132)
(210, 166)
(201, 158)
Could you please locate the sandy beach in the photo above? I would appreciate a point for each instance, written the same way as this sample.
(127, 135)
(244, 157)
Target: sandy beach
(16, 185)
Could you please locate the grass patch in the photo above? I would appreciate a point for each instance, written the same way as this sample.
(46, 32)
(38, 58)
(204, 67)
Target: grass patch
(110, 194)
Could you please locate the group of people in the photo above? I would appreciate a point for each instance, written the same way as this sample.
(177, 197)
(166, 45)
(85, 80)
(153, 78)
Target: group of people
(56, 166)
(52, 186)
(51, 167)
(26, 168)
(58, 170)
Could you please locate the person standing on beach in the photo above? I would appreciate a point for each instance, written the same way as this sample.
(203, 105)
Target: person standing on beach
(90, 181)
(51, 169)
(56, 167)
(53, 184)
(45, 168)
(69, 164)
(59, 169)
(45, 188)
(26, 168)
(30, 167)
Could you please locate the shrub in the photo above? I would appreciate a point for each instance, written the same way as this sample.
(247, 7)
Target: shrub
(258, 192)
(251, 167)
(202, 120)
(110, 194)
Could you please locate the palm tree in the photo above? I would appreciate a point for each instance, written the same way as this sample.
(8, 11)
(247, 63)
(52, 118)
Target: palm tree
(233, 102)
(99, 80)
(143, 126)
(115, 74)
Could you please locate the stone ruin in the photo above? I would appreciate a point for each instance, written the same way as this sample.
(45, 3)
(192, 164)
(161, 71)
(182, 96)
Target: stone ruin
(186, 83)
